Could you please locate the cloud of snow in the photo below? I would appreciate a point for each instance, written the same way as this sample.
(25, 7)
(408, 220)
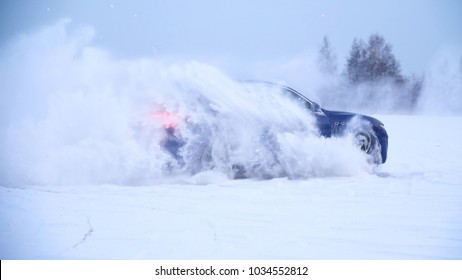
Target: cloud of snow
(442, 93)
(73, 114)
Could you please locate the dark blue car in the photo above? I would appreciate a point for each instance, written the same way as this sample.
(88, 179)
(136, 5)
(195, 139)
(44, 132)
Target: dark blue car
(370, 136)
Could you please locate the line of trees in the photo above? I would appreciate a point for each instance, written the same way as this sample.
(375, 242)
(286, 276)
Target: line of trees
(372, 75)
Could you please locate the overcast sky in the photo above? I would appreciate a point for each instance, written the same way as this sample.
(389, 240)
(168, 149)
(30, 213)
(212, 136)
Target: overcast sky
(246, 31)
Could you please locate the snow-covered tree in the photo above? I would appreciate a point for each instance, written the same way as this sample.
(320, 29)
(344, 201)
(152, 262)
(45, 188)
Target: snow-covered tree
(372, 62)
(327, 60)
(355, 70)
(374, 76)
(415, 86)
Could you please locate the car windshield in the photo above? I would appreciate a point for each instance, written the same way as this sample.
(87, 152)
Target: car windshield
(313, 106)
(291, 93)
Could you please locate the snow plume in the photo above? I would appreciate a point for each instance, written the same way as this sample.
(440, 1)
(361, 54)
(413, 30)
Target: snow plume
(442, 93)
(379, 97)
(333, 91)
(72, 114)
(437, 91)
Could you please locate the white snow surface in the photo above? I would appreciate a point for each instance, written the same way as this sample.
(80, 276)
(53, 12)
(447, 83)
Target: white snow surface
(409, 208)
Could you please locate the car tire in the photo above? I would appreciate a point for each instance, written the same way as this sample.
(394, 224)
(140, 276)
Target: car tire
(369, 144)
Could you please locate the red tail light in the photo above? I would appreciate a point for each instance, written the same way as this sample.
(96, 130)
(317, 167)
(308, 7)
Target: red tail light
(168, 120)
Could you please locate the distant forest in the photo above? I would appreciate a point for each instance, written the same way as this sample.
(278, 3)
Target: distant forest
(371, 77)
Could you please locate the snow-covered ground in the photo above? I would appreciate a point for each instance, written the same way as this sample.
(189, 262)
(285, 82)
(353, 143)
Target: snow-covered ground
(409, 208)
